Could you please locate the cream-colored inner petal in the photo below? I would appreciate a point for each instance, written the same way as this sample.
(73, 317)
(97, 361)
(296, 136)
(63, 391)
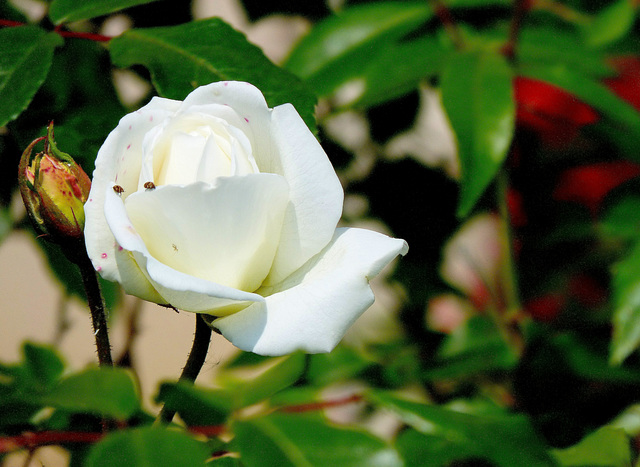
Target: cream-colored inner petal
(198, 147)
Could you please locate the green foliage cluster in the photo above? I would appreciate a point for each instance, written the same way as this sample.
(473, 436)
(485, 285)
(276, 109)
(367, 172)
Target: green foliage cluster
(507, 387)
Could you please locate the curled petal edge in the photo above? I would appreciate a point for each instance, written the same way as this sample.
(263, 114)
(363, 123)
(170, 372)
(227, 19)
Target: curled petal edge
(312, 309)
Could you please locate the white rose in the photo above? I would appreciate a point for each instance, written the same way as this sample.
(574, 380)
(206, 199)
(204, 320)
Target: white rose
(220, 205)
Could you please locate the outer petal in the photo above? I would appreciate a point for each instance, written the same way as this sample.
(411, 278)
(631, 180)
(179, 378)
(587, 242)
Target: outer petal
(313, 309)
(314, 191)
(179, 289)
(119, 161)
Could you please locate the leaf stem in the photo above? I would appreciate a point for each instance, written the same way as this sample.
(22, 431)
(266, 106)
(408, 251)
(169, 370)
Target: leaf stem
(96, 305)
(448, 22)
(520, 10)
(197, 356)
(562, 11)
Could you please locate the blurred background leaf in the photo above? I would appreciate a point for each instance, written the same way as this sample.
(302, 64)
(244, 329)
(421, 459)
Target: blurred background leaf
(27, 53)
(179, 62)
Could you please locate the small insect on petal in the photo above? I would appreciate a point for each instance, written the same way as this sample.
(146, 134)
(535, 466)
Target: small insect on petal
(149, 186)
(118, 189)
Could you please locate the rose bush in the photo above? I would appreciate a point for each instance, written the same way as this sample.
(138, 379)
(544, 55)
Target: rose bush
(223, 206)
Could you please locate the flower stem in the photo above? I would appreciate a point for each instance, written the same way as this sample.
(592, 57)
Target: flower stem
(196, 359)
(96, 305)
(509, 278)
(509, 319)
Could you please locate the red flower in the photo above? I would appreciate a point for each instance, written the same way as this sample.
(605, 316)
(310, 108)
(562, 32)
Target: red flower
(627, 84)
(552, 112)
(589, 184)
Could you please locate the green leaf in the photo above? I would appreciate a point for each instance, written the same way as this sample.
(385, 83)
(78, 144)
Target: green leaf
(606, 447)
(26, 53)
(591, 92)
(622, 220)
(549, 46)
(476, 3)
(43, 364)
(475, 347)
(626, 317)
(64, 11)
(23, 385)
(102, 391)
(341, 364)
(478, 98)
(226, 461)
(280, 374)
(181, 58)
(399, 67)
(196, 406)
(443, 435)
(283, 440)
(612, 23)
(148, 446)
(341, 46)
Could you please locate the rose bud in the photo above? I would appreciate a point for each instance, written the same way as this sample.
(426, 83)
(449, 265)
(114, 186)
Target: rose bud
(54, 189)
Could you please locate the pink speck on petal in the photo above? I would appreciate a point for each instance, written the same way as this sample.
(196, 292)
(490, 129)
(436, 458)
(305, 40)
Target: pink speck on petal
(99, 268)
(103, 255)
(151, 118)
(120, 248)
(91, 200)
(128, 146)
(226, 83)
(246, 119)
(129, 126)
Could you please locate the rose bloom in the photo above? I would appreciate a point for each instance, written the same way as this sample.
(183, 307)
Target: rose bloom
(223, 206)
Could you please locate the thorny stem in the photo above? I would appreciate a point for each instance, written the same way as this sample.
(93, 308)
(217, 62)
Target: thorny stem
(96, 305)
(197, 356)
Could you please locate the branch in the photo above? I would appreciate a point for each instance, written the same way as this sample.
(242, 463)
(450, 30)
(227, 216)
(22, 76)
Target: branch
(313, 406)
(58, 30)
(33, 440)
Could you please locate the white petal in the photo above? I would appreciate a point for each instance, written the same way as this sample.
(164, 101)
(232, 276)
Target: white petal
(181, 290)
(313, 308)
(119, 161)
(314, 190)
